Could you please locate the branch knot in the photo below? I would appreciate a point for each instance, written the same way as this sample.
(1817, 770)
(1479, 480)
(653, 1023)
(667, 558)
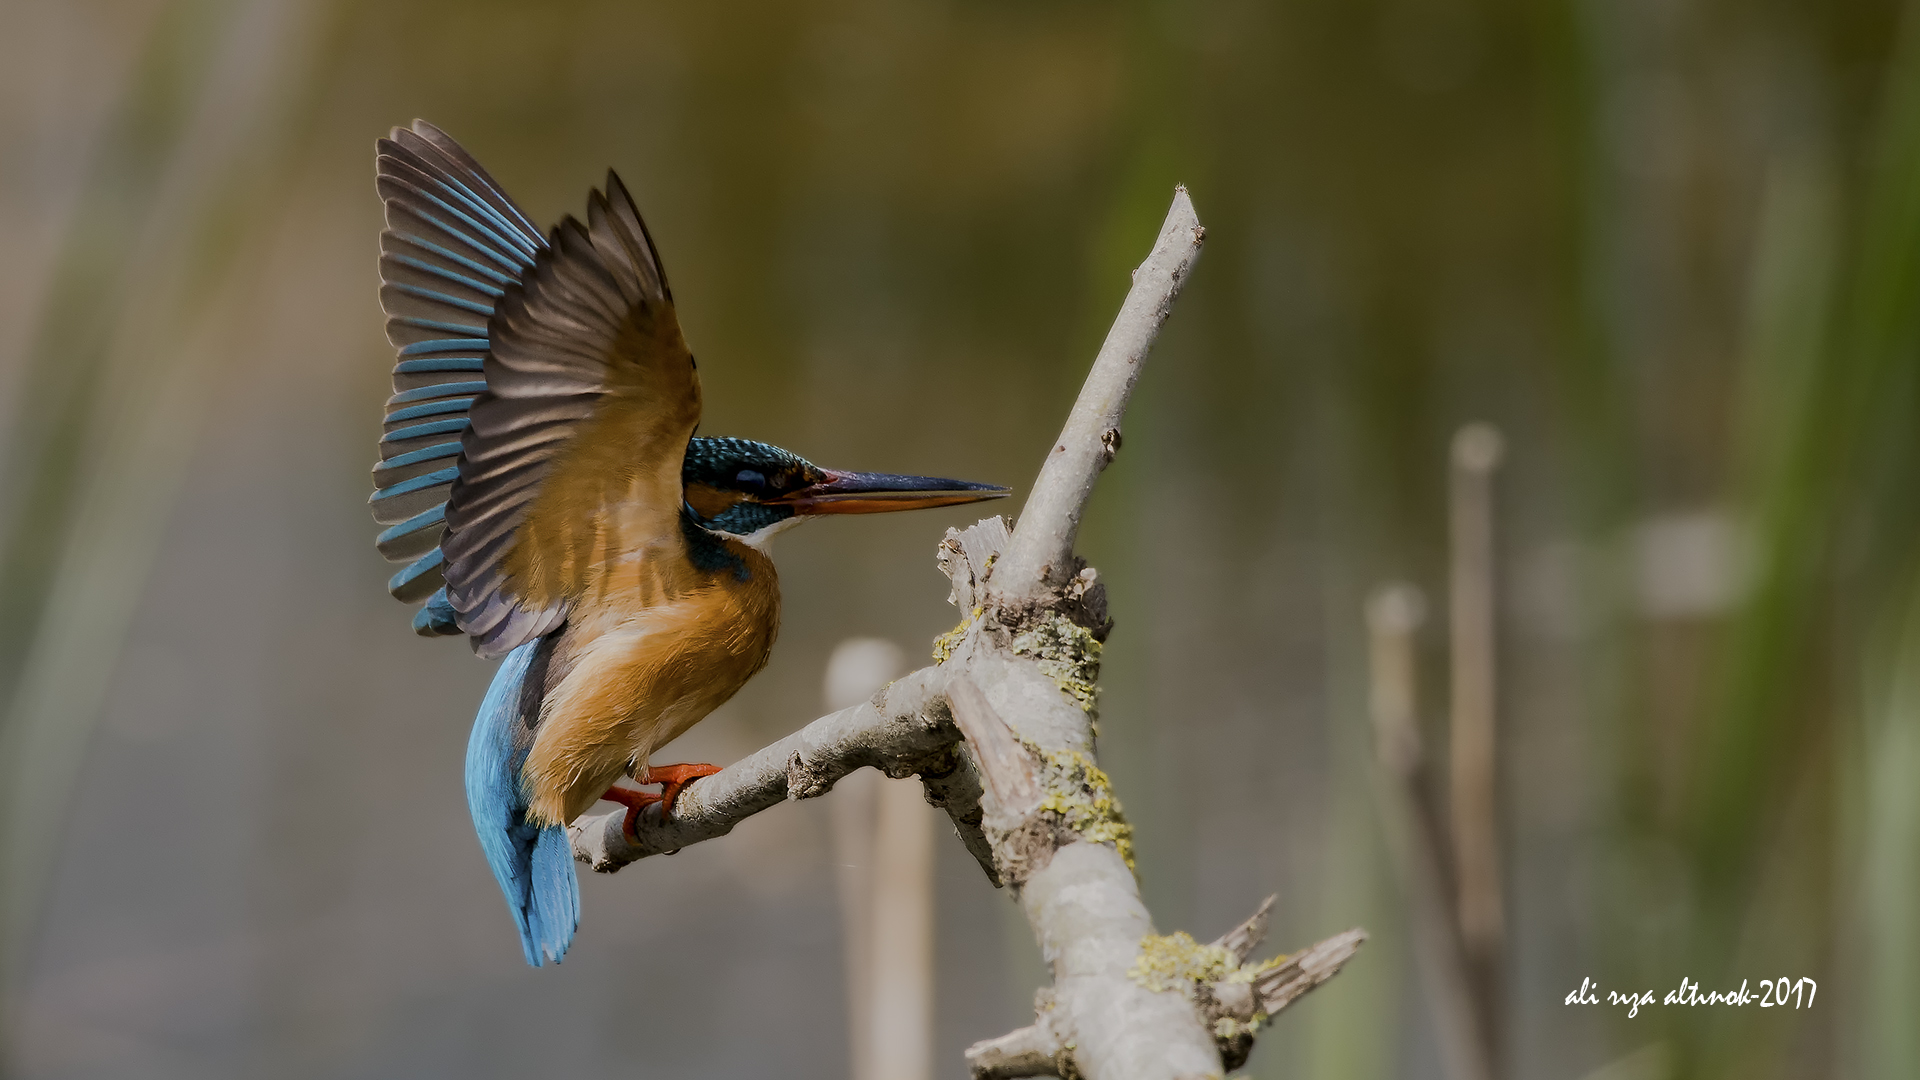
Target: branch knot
(805, 780)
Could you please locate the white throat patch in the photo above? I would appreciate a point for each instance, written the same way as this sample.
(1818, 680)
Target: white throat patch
(761, 538)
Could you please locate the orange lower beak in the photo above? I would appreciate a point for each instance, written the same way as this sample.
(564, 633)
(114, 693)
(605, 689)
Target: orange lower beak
(878, 493)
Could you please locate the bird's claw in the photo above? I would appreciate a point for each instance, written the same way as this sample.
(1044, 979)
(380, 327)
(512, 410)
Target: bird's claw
(634, 801)
(671, 778)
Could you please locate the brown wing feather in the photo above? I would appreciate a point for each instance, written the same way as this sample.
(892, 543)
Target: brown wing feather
(574, 453)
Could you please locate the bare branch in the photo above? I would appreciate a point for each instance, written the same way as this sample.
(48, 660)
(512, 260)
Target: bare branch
(1243, 939)
(1246, 997)
(1305, 970)
(1084, 907)
(905, 729)
(1005, 767)
(1030, 1051)
(1024, 790)
(1078, 891)
(1029, 651)
(1041, 553)
(1235, 1002)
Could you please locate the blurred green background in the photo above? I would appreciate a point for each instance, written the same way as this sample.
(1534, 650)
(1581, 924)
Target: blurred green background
(1670, 247)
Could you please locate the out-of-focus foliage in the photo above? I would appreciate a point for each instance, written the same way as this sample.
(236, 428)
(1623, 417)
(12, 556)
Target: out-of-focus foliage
(1671, 248)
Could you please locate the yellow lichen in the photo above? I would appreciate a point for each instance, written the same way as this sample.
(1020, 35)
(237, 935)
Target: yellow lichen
(1246, 973)
(1080, 793)
(1067, 653)
(944, 645)
(1176, 962)
(1227, 1027)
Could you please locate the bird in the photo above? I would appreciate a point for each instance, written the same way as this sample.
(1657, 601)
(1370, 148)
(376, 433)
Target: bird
(541, 477)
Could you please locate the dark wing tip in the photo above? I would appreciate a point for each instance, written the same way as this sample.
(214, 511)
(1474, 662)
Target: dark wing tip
(620, 206)
(413, 134)
(441, 141)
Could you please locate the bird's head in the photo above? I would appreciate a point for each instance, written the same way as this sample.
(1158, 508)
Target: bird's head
(752, 490)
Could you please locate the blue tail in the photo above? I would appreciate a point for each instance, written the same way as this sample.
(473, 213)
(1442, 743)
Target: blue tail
(534, 866)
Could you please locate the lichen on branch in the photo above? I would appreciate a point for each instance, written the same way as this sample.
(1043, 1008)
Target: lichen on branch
(945, 644)
(1079, 794)
(1067, 653)
(1177, 962)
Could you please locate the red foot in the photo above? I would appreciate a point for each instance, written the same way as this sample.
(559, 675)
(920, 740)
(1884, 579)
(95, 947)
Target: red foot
(634, 801)
(671, 779)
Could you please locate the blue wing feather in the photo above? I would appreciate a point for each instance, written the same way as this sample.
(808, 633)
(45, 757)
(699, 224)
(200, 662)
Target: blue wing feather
(453, 241)
(449, 275)
(440, 345)
(453, 244)
(533, 866)
(413, 463)
(496, 244)
(450, 235)
(414, 536)
(437, 324)
(437, 617)
(430, 408)
(421, 431)
(416, 582)
(437, 390)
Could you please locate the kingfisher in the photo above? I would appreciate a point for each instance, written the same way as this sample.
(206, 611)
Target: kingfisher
(540, 476)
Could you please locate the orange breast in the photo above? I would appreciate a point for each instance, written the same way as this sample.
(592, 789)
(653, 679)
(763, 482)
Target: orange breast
(648, 653)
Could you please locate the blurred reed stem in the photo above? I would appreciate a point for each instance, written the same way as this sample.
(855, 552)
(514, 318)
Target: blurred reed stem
(1416, 835)
(136, 326)
(1472, 742)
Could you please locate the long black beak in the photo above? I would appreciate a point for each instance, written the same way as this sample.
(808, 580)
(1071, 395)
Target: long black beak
(877, 493)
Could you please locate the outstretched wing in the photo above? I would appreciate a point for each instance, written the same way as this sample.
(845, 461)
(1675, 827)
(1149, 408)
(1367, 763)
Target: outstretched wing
(572, 439)
(453, 243)
(573, 455)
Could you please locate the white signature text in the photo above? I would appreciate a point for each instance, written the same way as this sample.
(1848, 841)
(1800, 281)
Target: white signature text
(1772, 992)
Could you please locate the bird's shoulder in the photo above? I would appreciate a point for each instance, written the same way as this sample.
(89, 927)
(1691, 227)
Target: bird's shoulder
(703, 575)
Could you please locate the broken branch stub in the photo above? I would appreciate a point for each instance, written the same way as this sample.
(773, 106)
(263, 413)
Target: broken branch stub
(1236, 998)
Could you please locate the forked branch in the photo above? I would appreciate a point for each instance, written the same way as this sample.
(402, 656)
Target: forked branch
(1001, 731)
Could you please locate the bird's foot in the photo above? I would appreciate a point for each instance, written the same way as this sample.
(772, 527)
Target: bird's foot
(634, 801)
(671, 779)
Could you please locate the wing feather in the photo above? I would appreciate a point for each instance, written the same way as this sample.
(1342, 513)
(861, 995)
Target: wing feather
(543, 395)
(573, 453)
(453, 243)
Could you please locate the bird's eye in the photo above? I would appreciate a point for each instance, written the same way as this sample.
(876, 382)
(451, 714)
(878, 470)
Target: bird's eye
(750, 479)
